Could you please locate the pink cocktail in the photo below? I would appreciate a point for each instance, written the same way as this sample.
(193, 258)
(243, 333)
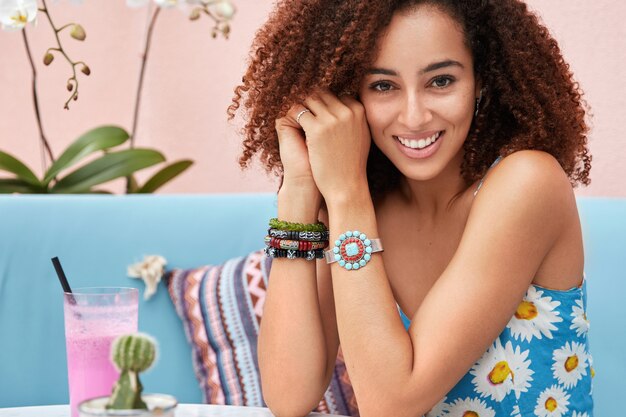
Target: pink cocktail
(93, 318)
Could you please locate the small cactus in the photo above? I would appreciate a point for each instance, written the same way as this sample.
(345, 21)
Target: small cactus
(131, 354)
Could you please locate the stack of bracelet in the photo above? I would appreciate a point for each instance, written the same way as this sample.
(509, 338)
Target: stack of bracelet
(296, 240)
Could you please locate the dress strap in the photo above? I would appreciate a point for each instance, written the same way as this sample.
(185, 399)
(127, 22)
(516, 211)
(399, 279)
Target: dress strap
(405, 320)
(480, 184)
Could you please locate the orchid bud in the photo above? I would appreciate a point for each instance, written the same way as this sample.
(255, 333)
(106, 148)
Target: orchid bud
(48, 58)
(224, 27)
(224, 9)
(75, 97)
(195, 14)
(78, 33)
(70, 86)
(85, 70)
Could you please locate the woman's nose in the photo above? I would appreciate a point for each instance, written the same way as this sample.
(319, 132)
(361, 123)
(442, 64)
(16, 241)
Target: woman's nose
(415, 112)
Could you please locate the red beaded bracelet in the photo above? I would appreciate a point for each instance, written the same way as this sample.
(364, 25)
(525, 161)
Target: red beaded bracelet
(295, 244)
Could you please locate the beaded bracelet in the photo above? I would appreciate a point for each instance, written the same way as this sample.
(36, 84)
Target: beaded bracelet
(297, 227)
(293, 254)
(291, 235)
(300, 245)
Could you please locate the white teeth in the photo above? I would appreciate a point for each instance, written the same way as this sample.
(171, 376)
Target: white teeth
(419, 144)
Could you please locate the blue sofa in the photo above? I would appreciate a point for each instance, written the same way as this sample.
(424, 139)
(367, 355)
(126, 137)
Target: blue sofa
(97, 237)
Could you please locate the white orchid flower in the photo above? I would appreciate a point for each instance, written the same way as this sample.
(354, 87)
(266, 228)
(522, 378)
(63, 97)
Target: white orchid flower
(136, 3)
(150, 270)
(15, 14)
(167, 4)
(76, 2)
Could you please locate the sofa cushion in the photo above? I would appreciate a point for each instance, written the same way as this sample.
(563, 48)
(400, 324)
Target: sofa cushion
(221, 307)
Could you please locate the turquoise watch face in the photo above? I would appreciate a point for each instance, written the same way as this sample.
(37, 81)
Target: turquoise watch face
(352, 250)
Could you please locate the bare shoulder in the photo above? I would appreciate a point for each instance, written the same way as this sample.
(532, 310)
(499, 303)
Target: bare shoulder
(527, 196)
(535, 167)
(528, 179)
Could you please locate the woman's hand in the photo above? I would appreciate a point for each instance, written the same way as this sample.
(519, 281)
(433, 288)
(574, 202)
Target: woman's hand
(293, 153)
(338, 141)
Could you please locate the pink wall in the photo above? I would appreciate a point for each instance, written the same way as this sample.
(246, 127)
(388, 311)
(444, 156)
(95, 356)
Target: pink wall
(190, 79)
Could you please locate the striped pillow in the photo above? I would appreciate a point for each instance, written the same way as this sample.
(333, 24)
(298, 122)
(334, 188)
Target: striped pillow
(221, 307)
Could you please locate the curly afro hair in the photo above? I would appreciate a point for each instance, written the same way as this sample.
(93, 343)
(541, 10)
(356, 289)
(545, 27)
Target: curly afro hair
(531, 100)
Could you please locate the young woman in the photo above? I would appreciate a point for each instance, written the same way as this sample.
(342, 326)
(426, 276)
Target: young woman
(438, 141)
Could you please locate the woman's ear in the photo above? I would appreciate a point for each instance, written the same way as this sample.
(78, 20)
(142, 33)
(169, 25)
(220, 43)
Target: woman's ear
(478, 89)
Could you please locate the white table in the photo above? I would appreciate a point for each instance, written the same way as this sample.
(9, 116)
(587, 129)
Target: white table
(183, 410)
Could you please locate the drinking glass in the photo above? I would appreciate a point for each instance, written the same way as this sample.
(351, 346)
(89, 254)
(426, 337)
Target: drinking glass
(93, 318)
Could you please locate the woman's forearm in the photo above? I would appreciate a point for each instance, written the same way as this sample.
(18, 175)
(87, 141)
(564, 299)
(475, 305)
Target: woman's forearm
(292, 347)
(379, 355)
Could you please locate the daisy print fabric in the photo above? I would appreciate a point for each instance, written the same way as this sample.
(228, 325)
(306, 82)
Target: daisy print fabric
(470, 407)
(552, 402)
(502, 370)
(536, 316)
(579, 319)
(570, 364)
(540, 365)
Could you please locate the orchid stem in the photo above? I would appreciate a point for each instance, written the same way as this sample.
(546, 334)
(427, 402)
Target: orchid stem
(63, 27)
(45, 11)
(44, 141)
(142, 71)
(144, 61)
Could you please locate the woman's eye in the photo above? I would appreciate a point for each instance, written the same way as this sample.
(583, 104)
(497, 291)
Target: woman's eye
(442, 82)
(381, 86)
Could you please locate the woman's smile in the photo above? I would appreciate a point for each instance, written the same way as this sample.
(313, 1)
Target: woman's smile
(419, 147)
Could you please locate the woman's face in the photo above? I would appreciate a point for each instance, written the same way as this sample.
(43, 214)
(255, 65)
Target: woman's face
(419, 94)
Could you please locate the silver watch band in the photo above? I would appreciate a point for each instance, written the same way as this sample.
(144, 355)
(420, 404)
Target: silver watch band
(377, 246)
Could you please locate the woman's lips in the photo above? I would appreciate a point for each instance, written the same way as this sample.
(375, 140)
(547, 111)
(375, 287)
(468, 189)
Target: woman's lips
(420, 153)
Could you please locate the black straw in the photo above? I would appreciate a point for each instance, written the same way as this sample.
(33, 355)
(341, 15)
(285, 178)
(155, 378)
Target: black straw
(62, 278)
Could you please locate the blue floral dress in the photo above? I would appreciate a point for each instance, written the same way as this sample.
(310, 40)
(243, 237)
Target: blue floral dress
(539, 365)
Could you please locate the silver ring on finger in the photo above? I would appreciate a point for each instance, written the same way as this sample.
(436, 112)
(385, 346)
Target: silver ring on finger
(300, 115)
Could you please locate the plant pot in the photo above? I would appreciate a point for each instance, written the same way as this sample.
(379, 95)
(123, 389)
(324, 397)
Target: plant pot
(160, 405)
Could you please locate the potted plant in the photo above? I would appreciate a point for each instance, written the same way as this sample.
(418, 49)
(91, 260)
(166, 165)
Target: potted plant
(115, 163)
(131, 354)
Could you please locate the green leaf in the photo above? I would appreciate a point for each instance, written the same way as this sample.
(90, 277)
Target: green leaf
(106, 168)
(100, 138)
(165, 175)
(14, 185)
(14, 166)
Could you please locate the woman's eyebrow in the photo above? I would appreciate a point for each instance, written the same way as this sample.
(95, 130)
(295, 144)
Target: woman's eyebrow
(381, 71)
(441, 64)
(430, 67)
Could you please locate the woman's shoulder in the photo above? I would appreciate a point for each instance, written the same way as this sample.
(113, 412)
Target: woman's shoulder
(527, 173)
(530, 163)
(526, 187)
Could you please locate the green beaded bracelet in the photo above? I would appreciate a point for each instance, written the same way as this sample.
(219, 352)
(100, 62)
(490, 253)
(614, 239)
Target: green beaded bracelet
(297, 227)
